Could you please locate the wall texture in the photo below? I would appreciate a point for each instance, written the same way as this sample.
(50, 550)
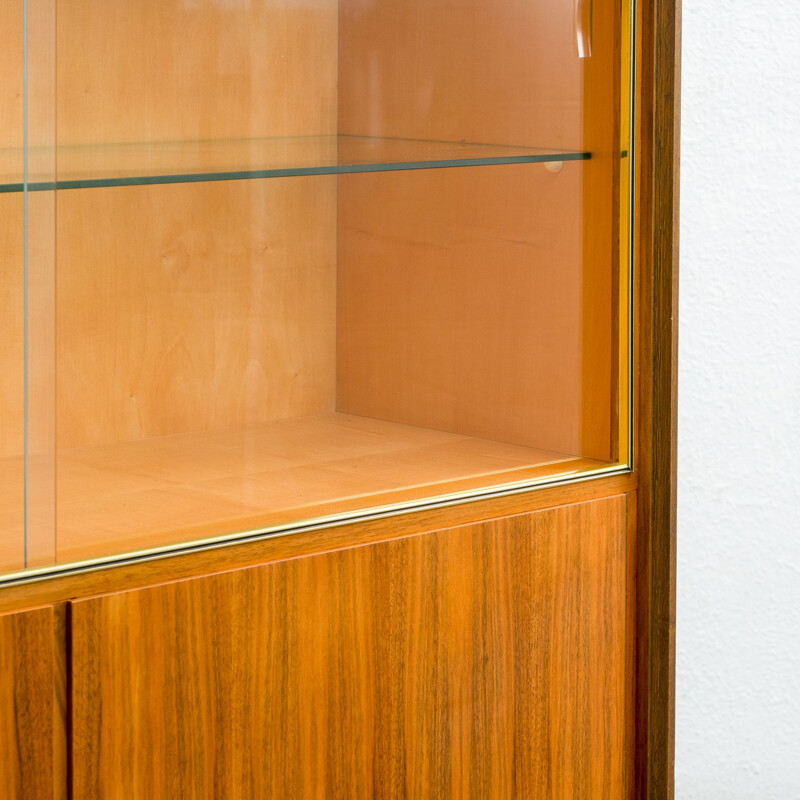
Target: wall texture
(738, 660)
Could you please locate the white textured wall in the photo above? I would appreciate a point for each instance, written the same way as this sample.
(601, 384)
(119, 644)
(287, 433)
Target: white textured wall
(738, 642)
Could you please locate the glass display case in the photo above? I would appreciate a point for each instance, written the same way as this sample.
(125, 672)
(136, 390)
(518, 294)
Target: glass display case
(274, 263)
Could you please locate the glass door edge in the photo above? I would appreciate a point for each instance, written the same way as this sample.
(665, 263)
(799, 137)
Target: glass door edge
(311, 524)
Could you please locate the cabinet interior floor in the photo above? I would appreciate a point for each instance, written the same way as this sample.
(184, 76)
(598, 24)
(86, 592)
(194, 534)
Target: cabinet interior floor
(137, 495)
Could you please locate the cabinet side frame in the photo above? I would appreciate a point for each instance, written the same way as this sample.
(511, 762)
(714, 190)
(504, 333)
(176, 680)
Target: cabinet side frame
(657, 203)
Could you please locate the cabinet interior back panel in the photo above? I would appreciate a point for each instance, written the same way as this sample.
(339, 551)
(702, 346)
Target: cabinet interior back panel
(11, 233)
(201, 306)
(194, 307)
(449, 316)
(178, 70)
(12, 395)
(11, 385)
(463, 293)
(11, 325)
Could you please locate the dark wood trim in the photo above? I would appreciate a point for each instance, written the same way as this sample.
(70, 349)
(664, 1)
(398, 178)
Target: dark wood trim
(28, 763)
(659, 126)
(61, 699)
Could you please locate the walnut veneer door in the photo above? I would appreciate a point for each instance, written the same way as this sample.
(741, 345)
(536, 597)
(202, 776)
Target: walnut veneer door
(32, 747)
(485, 661)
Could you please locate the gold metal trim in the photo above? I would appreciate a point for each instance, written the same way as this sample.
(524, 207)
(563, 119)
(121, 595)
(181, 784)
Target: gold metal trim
(630, 310)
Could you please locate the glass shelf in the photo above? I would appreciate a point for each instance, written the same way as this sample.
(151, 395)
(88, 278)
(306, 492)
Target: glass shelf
(96, 166)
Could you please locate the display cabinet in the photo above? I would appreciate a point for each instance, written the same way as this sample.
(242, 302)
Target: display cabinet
(331, 310)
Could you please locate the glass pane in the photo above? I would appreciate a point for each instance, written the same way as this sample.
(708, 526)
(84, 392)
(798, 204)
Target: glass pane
(317, 257)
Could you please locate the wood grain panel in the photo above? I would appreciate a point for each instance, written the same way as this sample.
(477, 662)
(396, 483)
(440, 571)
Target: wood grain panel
(173, 70)
(658, 220)
(12, 40)
(41, 285)
(12, 304)
(194, 306)
(478, 70)
(11, 275)
(492, 288)
(602, 237)
(471, 280)
(28, 728)
(483, 661)
(187, 308)
(38, 261)
(12, 391)
(39, 354)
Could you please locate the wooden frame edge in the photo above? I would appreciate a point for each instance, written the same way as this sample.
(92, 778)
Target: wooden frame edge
(659, 156)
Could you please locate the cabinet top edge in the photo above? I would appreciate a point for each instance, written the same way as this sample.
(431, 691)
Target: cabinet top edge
(128, 572)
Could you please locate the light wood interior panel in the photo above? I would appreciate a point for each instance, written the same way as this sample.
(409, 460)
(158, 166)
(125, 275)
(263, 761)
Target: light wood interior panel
(12, 514)
(601, 315)
(470, 279)
(39, 355)
(11, 325)
(195, 306)
(172, 70)
(186, 308)
(496, 71)
(12, 40)
(28, 730)
(523, 255)
(40, 491)
(485, 661)
(11, 291)
(12, 392)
